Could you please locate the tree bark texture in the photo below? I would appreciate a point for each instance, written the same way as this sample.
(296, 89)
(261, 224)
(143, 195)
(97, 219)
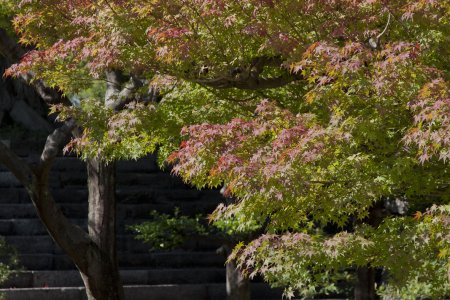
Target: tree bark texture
(94, 254)
(365, 285)
(238, 287)
(102, 278)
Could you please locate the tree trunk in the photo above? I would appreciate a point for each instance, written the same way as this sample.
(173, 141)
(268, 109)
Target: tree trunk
(238, 287)
(365, 285)
(95, 255)
(102, 278)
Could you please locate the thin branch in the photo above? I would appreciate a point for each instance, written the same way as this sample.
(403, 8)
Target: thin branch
(386, 27)
(250, 83)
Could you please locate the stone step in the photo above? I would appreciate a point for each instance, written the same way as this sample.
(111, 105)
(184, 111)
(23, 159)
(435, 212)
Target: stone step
(18, 227)
(143, 165)
(44, 244)
(126, 195)
(13, 195)
(72, 278)
(212, 291)
(28, 227)
(78, 178)
(142, 194)
(173, 259)
(124, 210)
(74, 210)
(8, 180)
(24, 147)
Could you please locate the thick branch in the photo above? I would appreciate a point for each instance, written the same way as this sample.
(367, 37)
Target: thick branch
(17, 166)
(113, 83)
(248, 78)
(116, 97)
(56, 141)
(258, 64)
(49, 95)
(70, 237)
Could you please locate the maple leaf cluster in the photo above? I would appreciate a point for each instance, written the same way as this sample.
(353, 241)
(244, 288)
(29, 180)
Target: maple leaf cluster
(307, 112)
(420, 247)
(432, 120)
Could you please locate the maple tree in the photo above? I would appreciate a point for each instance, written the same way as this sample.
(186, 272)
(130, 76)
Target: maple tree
(357, 118)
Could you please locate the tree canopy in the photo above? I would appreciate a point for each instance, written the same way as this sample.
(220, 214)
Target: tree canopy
(311, 113)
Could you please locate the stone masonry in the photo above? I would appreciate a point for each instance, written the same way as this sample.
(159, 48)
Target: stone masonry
(193, 272)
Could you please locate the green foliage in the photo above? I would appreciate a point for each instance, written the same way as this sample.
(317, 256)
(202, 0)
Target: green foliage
(351, 124)
(139, 128)
(413, 253)
(168, 231)
(236, 227)
(6, 15)
(9, 261)
(111, 135)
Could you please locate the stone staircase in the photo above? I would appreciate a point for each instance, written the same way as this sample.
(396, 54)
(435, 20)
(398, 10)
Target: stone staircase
(193, 272)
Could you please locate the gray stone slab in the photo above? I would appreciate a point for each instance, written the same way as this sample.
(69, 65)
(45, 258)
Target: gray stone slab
(132, 211)
(48, 261)
(25, 115)
(7, 179)
(157, 180)
(186, 276)
(26, 148)
(172, 260)
(28, 226)
(144, 165)
(19, 280)
(167, 292)
(71, 293)
(71, 194)
(9, 195)
(69, 164)
(73, 178)
(32, 244)
(159, 292)
(72, 278)
(17, 210)
(261, 290)
(56, 279)
(37, 261)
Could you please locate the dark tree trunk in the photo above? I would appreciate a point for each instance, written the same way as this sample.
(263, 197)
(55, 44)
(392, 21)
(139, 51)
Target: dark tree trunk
(238, 287)
(94, 254)
(365, 285)
(102, 278)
